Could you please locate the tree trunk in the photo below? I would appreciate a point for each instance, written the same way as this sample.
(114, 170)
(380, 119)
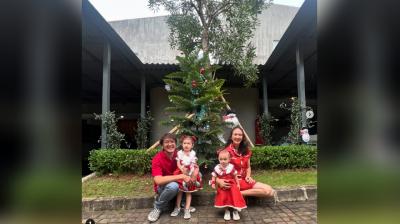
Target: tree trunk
(204, 45)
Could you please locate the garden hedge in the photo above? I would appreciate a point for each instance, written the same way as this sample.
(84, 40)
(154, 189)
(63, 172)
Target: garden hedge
(139, 161)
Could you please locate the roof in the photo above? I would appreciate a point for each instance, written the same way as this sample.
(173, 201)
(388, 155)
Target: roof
(148, 37)
(280, 67)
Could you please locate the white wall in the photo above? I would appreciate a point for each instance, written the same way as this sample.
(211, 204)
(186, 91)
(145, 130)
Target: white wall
(243, 101)
(158, 101)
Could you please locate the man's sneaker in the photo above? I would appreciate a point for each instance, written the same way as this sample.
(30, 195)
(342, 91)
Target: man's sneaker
(235, 215)
(154, 215)
(187, 214)
(175, 212)
(227, 215)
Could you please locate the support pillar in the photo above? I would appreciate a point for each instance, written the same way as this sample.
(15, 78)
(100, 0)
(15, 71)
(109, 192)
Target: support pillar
(142, 96)
(106, 88)
(301, 85)
(265, 95)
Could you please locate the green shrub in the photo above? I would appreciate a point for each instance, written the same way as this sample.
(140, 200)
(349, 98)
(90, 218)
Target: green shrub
(139, 161)
(121, 161)
(284, 157)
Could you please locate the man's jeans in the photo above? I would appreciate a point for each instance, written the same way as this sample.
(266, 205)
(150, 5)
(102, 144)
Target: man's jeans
(165, 194)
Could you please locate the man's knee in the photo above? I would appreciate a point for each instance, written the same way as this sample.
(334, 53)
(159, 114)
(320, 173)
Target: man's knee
(173, 186)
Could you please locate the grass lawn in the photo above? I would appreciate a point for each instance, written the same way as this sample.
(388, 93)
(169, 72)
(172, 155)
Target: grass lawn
(134, 186)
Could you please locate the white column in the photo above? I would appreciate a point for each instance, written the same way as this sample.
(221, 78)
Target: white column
(301, 84)
(106, 88)
(143, 96)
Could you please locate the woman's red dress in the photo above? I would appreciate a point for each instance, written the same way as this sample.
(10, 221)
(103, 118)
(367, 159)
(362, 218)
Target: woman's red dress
(241, 164)
(228, 197)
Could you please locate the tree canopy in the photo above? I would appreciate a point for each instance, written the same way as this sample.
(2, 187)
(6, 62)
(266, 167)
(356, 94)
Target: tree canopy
(222, 28)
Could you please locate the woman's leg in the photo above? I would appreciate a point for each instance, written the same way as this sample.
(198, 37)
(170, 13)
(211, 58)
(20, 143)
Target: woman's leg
(259, 190)
(188, 200)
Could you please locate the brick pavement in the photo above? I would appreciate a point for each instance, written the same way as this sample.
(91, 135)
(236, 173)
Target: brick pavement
(281, 213)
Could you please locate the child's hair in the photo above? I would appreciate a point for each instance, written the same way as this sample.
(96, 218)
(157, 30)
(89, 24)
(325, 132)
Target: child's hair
(183, 137)
(223, 151)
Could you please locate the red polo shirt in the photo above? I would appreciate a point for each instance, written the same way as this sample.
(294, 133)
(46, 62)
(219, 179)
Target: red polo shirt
(162, 165)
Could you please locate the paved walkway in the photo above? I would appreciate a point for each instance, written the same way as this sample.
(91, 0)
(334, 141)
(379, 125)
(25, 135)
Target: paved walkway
(283, 212)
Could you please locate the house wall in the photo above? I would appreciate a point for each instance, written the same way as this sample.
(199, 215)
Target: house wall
(243, 101)
(148, 37)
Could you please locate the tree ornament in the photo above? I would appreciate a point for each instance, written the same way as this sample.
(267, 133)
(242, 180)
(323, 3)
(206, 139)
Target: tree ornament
(230, 119)
(194, 91)
(304, 135)
(194, 83)
(168, 87)
(202, 70)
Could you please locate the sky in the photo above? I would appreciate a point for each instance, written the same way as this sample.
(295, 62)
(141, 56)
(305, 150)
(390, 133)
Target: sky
(113, 10)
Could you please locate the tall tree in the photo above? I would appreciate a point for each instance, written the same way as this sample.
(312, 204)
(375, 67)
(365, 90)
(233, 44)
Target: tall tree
(222, 28)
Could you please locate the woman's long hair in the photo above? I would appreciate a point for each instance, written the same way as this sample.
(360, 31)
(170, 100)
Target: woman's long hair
(243, 146)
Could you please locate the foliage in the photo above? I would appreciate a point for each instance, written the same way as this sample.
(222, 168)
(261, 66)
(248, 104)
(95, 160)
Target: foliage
(120, 161)
(194, 91)
(284, 157)
(295, 120)
(139, 161)
(266, 128)
(143, 129)
(222, 28)
(113, 136)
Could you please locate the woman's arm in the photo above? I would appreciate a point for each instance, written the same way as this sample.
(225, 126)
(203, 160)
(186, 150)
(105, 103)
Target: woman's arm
(237, 180)
(248, 171)
(248, 178)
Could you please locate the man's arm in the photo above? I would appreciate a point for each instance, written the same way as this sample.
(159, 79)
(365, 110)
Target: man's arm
(162, 180)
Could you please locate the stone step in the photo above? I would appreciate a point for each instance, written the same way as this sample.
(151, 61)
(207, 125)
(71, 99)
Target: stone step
(199, 199)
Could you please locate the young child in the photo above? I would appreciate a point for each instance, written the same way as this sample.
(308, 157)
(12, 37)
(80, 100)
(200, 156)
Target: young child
(187, 164)
(227, 198)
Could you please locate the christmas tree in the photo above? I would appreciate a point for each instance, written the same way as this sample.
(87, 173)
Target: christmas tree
(195, 90)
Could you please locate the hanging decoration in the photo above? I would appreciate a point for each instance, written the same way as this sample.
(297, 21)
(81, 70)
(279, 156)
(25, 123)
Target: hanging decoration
(304, 135)
(230, 119)
(200, 113)
(168, 87)
(194, 89)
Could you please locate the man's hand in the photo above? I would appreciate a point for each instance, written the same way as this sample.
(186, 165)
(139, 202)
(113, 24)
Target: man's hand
(222, 183)
(185, 177)
(185, 170)
(213, 186)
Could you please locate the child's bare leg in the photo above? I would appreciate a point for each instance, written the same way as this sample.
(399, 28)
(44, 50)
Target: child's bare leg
(188, 200)
(179, 199)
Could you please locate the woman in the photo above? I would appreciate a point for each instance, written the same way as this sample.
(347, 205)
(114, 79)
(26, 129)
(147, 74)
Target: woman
(240, 158)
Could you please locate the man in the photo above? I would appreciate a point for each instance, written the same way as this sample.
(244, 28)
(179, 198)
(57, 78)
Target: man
(163, 166)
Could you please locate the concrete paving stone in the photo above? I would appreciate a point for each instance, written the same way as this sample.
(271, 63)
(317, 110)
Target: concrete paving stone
(289, 212)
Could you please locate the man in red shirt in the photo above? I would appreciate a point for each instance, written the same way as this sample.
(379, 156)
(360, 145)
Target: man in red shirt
(162, 167)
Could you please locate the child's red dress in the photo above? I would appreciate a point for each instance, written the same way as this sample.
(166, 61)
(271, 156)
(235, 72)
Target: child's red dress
(228, 197)
(189, 161)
